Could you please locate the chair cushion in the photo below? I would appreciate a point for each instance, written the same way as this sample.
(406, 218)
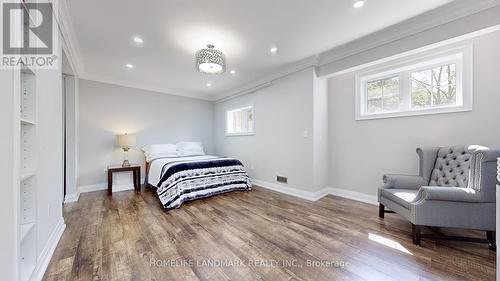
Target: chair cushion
(451, 167)
(402, 197)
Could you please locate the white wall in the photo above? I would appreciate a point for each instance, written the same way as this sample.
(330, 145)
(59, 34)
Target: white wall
(71, 112)
(106, 110)
(283, 113)
(321, 136)
(8, 211)
(362, 151)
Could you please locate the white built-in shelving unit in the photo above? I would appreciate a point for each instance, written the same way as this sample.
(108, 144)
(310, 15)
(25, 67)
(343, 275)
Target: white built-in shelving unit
(37, 156)
(498, 216)
(27, 174)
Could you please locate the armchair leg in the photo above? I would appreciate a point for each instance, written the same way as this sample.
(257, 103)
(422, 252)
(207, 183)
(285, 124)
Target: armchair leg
(416, 234)
(381, 211)
(490, 235)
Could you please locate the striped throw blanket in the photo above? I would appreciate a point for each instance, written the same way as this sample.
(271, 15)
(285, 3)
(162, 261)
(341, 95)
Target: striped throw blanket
(187, 180)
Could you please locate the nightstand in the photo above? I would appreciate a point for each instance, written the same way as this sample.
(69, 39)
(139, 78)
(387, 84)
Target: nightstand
(134, 168)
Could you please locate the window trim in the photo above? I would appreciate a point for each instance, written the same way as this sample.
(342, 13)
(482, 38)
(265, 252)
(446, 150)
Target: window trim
(461, 56)
(239, 134)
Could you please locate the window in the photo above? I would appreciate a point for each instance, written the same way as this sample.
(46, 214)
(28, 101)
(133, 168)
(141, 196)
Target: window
(435, 87)
(240, 122)
(436, 83)
(383, 95)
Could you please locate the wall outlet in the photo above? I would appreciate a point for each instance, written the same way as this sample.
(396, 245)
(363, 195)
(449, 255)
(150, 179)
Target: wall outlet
(282, 179)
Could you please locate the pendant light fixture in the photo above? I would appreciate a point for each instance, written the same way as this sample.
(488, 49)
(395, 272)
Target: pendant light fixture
(210, 60)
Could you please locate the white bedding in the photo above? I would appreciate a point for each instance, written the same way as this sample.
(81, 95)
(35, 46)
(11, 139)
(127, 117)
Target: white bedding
(156, 166)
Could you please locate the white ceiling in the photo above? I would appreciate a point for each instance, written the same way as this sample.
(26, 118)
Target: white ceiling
(173, 30)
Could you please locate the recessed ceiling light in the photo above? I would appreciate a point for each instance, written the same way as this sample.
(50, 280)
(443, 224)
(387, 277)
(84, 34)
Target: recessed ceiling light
(129, 66)
(138, 40)
(273, 50)
(232, 71)
(358, 4)
(209, 84)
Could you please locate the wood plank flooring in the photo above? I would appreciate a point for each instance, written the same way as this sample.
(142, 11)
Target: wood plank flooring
(256, 235)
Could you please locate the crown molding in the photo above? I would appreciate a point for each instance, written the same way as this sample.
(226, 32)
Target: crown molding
(69, 40)
(141, 86)
(245, 92)
(433, 18)
(251, 87)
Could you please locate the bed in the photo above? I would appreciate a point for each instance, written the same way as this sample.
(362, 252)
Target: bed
(179, 179)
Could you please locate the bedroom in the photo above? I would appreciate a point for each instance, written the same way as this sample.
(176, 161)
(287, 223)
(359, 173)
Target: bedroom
(250, 140)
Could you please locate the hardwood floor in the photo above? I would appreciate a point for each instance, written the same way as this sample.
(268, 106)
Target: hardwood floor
(257, 235)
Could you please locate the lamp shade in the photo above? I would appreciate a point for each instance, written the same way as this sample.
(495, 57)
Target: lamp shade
(126, 140)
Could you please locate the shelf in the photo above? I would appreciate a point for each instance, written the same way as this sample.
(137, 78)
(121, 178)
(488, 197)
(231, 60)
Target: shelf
(27, 122)
(26, 70)
(27, 148)
(25, 229)
(27, 197)
(28, 96)
(26, 175)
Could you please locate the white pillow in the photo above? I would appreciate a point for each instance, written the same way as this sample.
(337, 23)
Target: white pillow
(146, 149)
(154, 151)
(190, 148)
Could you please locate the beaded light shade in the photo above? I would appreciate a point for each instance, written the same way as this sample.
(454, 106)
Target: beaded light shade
(210, 60)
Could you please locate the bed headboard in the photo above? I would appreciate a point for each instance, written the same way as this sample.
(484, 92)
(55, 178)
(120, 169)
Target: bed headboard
(146, 170)
(146, 166)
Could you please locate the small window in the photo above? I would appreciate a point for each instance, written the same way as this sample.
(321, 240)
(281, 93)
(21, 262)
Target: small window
(383, 95)
(240, 122)
(436, 83)
(434, 87)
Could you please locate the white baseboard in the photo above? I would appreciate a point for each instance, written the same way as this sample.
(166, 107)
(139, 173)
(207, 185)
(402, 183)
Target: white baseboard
(316, 195)
(357, 196)
(104, 186)
(293, 191)
(123, 187)
(48, 251)
(93, 187)
(69, 198)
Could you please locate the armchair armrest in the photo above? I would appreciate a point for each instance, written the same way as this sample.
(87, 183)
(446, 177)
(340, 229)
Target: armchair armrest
(403, 181)
(489, 154)
(446, 193)
(483, 166)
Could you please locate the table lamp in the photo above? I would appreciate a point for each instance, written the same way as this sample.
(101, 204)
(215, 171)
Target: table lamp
(126, 141)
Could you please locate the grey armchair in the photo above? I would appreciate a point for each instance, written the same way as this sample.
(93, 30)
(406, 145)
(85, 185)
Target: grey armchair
(455, 188)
